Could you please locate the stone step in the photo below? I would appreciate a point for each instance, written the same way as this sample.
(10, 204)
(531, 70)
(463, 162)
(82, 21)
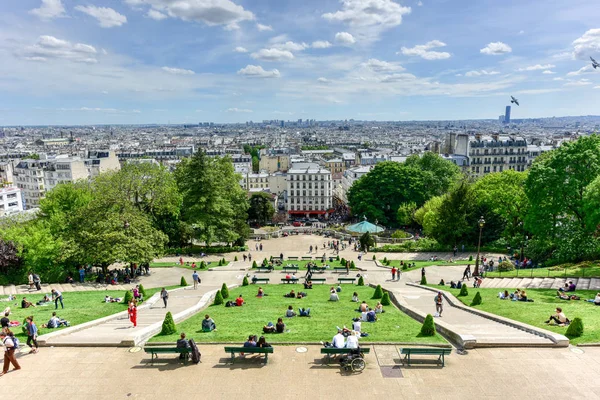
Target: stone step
(11, 289)
(558, 283)
(547, 283)
(594, 284)
(583, 284)
(525, 282)
(1, 290)
(535, 283)
(489, 282)
(515, 283)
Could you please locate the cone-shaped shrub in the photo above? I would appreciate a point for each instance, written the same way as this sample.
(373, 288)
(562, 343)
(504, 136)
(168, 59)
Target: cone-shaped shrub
(405, 267)
(218, 298)
(235, 259)
(168, 326)
(254, 265)
(463, 291)
(575, 328)
(337, 258)
(385, 260)
(385, 300)
(128, 297)
(265, 262)
(223, 262)
(476, 300)
(352, 265)
(428, 327)
(224, 291)
(219, 263)
(374, 257)
(183, 282)
(470, 258)
(245, 281)
(202, 265)
(361, 281)
(142, 291)
(343, 262)
(378, 292)
(423, 280)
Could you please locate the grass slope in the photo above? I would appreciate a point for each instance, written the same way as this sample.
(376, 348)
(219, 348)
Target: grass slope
(585, 269)
(234, 324)
(545, 301)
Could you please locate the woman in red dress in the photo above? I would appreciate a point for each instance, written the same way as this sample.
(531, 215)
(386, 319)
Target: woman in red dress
(132, 310)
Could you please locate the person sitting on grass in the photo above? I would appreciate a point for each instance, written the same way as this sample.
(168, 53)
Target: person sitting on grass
(269, 328)
(290, 312)
(260, 293)
(308, 285)
(239, 301)
(523, 296)
(515, 296)
(333, 296)
(291, 295)
(452, 285)
(304, 312)
(595, 300)
(280, 326)
(182, 343)
(379, 308)
(477, 281)
(26, 304)
(559, 318)
(569, 287)
(262, 342)
(442, 283)
(55, 322)
(371, 316)
(355, 297)
(208, 324)
(364, 307)
(563, 296)
(459, 285)
(338, 288)
(356, 325)
(44, 301)
(504, 295)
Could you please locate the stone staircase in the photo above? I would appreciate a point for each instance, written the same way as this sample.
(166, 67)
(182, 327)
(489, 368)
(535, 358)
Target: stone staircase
(540, 283)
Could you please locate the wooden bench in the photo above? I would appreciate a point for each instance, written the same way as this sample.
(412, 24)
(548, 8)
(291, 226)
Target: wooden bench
(339, 269)
(285, 280)
(350, 280)
(318, 280)
(291, 268)
(335, 351)
(258, 280)
(263, 269)
(435, 351)
(249, 350)
(307, 257)
(293, 258)
(155, 351)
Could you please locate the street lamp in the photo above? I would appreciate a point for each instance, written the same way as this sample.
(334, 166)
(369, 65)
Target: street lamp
(481, 224)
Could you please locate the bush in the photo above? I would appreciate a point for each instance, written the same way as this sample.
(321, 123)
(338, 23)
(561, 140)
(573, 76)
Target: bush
(235, 259)
(374, 257)
(470, 258)
(223, 261)
(220, 264)
(254, 265)
(142, 291)
(168, 326)
(218, 298)
(183, 282)
(352, 265)
(265, 262)
(361, 281)
(343, 262)
(428, 327)
(384, 260)
(245, 281)
(575, 328)
(423, 280)
(404, 267)
(385, 300)
(202, 265)
(476, 300)
(204, 249)
(337, 258)
(505, 266)
(378, 292)
(128, 297)
(463, 291)
(401, 234)
(224, 291)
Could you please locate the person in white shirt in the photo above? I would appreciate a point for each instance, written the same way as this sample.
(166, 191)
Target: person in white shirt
(352, 341)
(364, 316)
(338, 341)
(356, 326)
(333, 296)
(559, 318)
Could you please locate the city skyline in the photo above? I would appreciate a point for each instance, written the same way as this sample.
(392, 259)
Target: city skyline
(227, 61)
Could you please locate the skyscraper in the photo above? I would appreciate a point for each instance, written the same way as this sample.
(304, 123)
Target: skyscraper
(507, 115)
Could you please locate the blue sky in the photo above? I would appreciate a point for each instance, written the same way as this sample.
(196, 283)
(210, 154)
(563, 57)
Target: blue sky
(186, 61)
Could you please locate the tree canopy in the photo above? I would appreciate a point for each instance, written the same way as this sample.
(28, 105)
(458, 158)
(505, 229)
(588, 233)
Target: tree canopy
(261, 207)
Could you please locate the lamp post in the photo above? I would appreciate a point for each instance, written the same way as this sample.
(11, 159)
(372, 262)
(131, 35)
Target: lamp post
(481, 224)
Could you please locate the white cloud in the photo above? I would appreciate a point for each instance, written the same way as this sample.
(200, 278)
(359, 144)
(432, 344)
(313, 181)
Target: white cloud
(376, 65)
(581, 82)
(357, 13)
(107, 17)
(155, 15)
(210, 12)
(482, 72)
(240, 49)
(548, 72)
(272, 55)
(323, 80)
(256, 71)
(521, 32)
(279, 38)
(563, 55)
(537, 67)
(321, 44)
(403, 77)
(344, 38)
(178, 71)
(238, 110)
(263, 28)
(49, 47)
(49, 9)
(587, 45)
(423, 51)
(596, 87)
(496, 49)
(291, 46)
(420, 3)
(558, 79)
(581, 71)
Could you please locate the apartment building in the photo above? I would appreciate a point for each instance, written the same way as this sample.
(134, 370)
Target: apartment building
(309, 190)
(11, 201)
(29, 177)
(99, 161)
(6, 172)
(497, 153)
(62, 170)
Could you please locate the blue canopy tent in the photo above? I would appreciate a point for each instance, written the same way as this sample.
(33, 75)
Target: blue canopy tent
(365, 226)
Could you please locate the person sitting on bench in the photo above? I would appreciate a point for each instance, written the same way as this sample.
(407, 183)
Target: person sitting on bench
(352, 341)
(254, 279)
(559, 318)
(262, 342)
(208, 324)
(304, 312)
(338, 341)
(182, 343)
(290, 312)
(251, 342)
(280, 326)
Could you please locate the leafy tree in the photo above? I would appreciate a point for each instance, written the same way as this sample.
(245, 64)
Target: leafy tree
(428, 215)
(452, 223)
(9, 257)
(168, 326)
(591, 205)
(428, 327)
(367, 241)
(261, 207)
(439, 174)
(406, 213)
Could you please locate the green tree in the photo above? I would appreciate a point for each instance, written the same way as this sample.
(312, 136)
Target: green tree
(261, 207)
(218, 298)
(454, 214)
(378, 294)
(428, 215)
(183, 282)
(385, 300)
(224, 291)
(439, 174)
(367, 241)
(428, 327)
(406, 213)
(168, 326)
(476, 299)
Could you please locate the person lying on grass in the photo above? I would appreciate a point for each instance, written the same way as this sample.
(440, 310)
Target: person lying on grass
(595, 300)
(304, 312)
(291, 295)
(504, 295)
(559, 318)
(563, 296)
(108, 299)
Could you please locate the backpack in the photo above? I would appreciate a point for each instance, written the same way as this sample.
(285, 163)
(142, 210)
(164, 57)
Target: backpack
(195, 352)
(15, 341)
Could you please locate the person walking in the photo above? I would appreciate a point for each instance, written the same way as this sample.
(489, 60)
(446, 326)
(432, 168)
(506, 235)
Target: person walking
(260, 247)
(195, 277)
(165, 296)
(438, 304)
(82, 274)
(132, 310)
(8, 340)
(308, 270)
(455, 250)
(310, 250)
(32, 334)
(393, 273)
(37, 281)
(423, 272)
(467, 272)
(56, 297)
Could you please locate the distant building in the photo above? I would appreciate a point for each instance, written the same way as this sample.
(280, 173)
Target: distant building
(258, 181)
(29, 177)
(99, 161)
(6, 173)
(63, 170)
(274, 163)
(11, 201)
(348, 178)
(507, 115)
(496, 153)
(309, 190)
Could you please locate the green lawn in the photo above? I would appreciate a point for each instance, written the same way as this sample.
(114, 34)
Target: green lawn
(234, 324)
(213, 264)
(302, 264)
(545, 301)
(80, 307)
(585, 269)
(421, 264)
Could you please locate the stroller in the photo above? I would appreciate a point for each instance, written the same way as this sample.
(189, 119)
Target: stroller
(354, 361)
